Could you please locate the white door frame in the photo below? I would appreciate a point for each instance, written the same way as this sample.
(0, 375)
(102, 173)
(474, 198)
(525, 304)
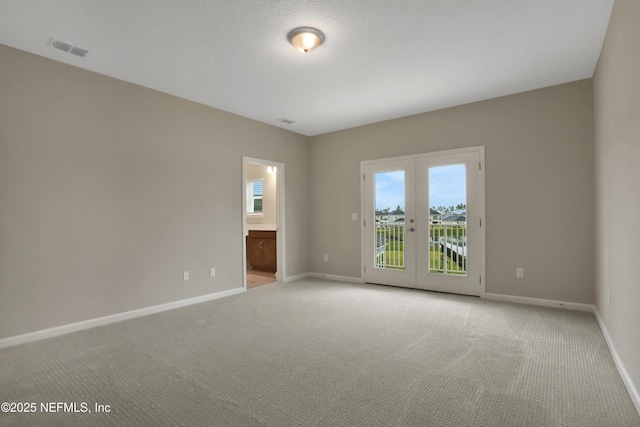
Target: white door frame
(481, 208)
(280, 213)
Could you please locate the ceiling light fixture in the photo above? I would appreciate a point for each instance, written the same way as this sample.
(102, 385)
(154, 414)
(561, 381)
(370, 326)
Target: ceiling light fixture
(306, 39)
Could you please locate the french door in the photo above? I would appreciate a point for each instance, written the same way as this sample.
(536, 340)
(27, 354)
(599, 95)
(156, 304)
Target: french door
(422, 219)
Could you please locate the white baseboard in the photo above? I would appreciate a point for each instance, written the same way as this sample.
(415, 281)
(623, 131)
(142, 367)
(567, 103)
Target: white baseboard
(624, 374)
(91, 323)
(541, 302)
(296, 277)
(336, 278)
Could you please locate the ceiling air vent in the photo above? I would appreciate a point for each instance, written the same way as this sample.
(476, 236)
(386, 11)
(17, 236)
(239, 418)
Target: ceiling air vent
(79, 51)
(286, 121)
(66, 47)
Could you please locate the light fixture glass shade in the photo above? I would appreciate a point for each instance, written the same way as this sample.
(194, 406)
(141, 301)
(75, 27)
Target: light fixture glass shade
(306, 39)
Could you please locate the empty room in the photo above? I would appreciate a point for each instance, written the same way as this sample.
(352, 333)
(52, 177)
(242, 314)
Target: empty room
(315, 213)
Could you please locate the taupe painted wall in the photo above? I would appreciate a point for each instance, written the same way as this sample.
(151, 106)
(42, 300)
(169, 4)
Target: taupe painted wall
(617, 136)
(539, 186)
(108, 191)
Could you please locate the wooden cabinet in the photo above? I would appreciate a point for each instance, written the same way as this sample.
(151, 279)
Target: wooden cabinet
(261, 250)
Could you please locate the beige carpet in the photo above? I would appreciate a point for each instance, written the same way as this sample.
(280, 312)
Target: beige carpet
(320, 353)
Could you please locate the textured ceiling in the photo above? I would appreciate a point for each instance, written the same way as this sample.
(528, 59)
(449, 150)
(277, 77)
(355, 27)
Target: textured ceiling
(382, 59)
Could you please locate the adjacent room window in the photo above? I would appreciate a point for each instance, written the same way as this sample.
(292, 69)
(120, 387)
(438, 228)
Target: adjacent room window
(254, 197)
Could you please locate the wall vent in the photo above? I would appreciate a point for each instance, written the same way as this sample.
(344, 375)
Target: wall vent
(66, 47)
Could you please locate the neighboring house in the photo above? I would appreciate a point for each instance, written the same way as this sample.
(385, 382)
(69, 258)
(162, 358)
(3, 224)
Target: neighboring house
(395, 216)
(435, 217)
(382, 216)
(398, 217)
(455, 219)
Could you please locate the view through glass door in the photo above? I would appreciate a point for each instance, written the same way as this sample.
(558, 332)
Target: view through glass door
(422, 221)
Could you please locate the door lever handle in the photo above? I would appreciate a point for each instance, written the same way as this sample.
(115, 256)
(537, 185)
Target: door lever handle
(412, 229)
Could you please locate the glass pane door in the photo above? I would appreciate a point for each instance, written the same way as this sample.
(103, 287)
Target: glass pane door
(422, 222)
(448, 219)
(389, 219)
(389, 206)
(449, 198)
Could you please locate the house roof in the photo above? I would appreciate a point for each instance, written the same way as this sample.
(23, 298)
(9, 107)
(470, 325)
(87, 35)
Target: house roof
(455, 217)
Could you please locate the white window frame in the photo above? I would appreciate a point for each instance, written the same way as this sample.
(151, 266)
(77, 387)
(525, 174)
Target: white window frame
(251, 198)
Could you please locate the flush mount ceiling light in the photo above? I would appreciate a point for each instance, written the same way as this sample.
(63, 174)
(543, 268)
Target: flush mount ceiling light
(306, 39)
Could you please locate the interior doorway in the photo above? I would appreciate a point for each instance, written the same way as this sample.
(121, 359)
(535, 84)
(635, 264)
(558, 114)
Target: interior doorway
(423, 221)
(263, 213)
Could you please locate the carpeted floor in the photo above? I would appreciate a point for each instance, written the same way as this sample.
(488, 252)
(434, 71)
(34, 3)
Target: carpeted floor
(321, 353)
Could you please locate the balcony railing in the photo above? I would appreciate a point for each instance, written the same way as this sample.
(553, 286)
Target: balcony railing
(390, 246)
(447, 247)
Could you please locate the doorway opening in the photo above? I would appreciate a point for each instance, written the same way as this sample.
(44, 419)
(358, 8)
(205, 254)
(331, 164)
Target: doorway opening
(263, 213)
(422, 219)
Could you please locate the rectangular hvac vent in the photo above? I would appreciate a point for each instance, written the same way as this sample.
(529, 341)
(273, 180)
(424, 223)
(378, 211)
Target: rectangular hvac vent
(286, 121)
(66, 47)
(79, 52)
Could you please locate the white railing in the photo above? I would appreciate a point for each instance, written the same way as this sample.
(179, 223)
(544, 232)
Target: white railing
(390, 246)
(447, 247)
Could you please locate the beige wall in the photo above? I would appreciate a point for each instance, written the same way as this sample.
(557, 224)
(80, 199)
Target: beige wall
(539, 186)
(617, 136)
(108, 191)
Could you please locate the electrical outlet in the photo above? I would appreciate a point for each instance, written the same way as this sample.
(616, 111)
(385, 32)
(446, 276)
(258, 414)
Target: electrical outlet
(185, 275)
(326, 257)
(212, 272)
(520, 272)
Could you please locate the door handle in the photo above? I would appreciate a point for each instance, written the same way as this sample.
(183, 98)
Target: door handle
(412, 229)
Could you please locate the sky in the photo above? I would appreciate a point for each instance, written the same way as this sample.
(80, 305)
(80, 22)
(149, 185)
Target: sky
(447, 187)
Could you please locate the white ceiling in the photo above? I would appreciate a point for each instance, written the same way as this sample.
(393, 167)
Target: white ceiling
(382, 59)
